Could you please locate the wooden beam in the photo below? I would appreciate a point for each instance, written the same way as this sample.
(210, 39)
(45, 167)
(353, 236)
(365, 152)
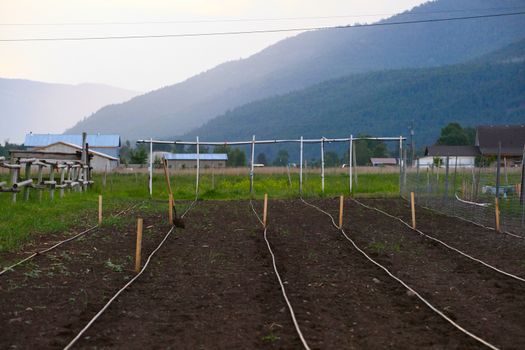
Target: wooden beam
(46, 155)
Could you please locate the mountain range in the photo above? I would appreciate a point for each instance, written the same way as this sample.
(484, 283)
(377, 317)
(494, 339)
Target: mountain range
(486, 90)
(40, 107)
(313, 57)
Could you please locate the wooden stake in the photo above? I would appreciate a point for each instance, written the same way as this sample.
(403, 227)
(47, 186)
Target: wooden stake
(265, 210)
(138, 248)
(100, 209)
(496, 208)
(341, 203)
(413, 208)
(170, 214)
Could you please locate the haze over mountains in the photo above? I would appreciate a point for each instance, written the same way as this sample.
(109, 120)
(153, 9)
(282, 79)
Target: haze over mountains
(310, 58)
(487, 90)
(40, 107)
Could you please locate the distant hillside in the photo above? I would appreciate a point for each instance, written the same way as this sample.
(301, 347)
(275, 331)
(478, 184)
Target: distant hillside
(485, 91)
(310, 58)
(50, 108)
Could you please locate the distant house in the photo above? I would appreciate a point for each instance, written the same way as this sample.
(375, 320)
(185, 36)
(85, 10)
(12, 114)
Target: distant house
(189, 160)
(99, 161)
(381, 162)
(106, 144)
(460, 156)
(512, 138)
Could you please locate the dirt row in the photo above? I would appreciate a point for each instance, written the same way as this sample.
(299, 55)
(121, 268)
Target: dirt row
(212, 285)
(483, 301)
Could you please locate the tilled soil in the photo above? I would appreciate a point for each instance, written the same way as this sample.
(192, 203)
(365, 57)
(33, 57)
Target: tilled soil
(483, 301)
(498, 249)
(212, 286)
(46, 301)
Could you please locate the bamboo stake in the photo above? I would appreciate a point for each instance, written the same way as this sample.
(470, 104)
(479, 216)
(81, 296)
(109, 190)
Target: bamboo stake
(100, 209)
(341, 203)
(413, 208)
(138, 248)
(265, 210)
(170, 213)
(496, 208)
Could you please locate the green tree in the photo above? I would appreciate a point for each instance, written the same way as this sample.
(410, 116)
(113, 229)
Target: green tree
(454, 135)
(261, 159)
(366, 149)
(331, 159)
(282, 158)
(139, 155)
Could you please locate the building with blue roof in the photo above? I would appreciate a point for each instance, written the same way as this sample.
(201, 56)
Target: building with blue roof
(106, 144)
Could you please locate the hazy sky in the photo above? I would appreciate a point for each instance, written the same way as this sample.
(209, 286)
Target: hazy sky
(146, 64)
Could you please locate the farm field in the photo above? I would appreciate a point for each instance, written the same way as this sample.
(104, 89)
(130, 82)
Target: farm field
(213, 284)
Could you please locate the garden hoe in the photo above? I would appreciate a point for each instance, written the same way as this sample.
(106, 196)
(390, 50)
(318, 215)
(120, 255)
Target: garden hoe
(177, 222)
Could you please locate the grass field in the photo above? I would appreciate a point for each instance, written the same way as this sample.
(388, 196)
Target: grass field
(18, 222)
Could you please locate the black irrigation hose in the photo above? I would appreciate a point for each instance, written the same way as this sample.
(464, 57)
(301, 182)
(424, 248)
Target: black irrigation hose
(10, 268)
(106, 306)
(290, 308)
(433, 308)
(441, 242)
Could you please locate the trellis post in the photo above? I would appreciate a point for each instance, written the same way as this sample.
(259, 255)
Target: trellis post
(252, 165)
(151, 167)
(322, 164)
(301, 166)
(198, 169)
(350, 160)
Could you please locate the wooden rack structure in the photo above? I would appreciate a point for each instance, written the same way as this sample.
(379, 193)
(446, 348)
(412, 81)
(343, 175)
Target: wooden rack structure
(73, 171)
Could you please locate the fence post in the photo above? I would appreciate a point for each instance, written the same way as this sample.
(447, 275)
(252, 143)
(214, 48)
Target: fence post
(447, 167)
(265, 209)
(251, 165)
(138, 246)
(497, 213)
(198, 169)
(350, 160)
(322, 164)
(522, 187)
(51, 179)
(341, 204)
(100, 209)
(151, 167)
(413, 209)
(14, 179)
(498, 169)
(401, 165)
(301, 168)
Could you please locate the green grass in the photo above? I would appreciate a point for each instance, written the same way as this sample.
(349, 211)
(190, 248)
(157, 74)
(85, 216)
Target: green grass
(20, 221)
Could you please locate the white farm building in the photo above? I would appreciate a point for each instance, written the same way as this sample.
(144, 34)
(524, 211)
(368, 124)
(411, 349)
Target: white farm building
(99, 161)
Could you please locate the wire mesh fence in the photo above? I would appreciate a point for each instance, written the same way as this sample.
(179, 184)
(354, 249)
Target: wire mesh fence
(470, 193)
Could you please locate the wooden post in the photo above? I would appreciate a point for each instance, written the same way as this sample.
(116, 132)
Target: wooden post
(170, 213)
(62, 177)
(341, 203)
(138, 248)
(52, 178)
(28, 176)
(496, 208)
(100, 209)
(265, 210)
(413, 208)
